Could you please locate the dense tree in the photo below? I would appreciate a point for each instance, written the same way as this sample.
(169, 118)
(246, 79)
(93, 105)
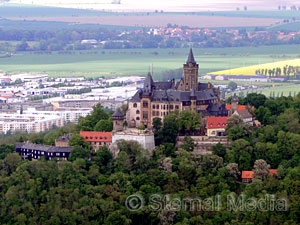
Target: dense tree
(104, 125)
(188, 144)
(78, 152)
(170, 128)
(232, 85)
(89, 122)
(78, 140)
(219, 150)
(261, 169)
(93, 187)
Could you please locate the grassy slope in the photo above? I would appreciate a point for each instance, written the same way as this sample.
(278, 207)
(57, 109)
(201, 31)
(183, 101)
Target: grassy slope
(127, 62)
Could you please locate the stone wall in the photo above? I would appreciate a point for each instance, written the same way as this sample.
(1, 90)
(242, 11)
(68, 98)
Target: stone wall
(144, 138)
(204, 143)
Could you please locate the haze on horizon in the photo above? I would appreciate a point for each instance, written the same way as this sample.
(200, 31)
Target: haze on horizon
(165, 5)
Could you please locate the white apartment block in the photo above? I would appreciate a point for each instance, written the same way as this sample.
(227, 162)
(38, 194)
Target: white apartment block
(67, 114)
(28, 123)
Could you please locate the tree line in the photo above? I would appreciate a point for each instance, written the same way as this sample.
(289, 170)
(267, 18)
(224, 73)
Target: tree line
(287, 70)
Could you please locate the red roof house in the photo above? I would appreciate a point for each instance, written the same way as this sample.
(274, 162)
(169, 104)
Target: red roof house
(97, 139)
(247, 176)
(216, 125)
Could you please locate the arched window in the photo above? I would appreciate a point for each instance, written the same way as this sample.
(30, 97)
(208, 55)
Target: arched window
(134, 105)
(138, 118)
(137, 111)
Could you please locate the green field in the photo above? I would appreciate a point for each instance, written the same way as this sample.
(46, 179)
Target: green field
(282, 14)
(138, 61)
(285, 91)
(260, 84)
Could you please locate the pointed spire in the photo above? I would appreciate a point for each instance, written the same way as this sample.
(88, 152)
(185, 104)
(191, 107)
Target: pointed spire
(191, 58)
(148, 83)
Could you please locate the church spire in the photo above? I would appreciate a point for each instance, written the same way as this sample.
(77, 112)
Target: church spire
(191, 58)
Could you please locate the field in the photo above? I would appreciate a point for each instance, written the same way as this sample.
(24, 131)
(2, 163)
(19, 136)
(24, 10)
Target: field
(28, 16)
(197, 21)
(165, 5)
(139, 61)
(251, 70)
(284, 91)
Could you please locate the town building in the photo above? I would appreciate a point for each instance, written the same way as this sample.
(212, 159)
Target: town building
(216, 126)
(29, 77)
(67, 114)
(63, 141)
(30, 123)
(240, 110)
(97, 139)
(32, 151)
(85, 103)
(158, 99)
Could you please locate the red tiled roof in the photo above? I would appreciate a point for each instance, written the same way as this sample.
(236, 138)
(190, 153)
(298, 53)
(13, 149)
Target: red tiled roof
(217, 122)
(249, 174)
(96, 136)
(272, 171)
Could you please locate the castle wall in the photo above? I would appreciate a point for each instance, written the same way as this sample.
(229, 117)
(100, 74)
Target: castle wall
(146, 140)
(204, 143)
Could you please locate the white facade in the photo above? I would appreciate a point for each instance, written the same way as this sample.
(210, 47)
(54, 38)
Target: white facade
(28, 123)
(144, 138)
(67, 115)
(29, 77)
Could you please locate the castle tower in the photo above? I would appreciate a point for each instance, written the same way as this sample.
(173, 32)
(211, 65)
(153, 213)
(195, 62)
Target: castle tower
(234, 103)
(118, 120)
(146, 118)
(190, 73)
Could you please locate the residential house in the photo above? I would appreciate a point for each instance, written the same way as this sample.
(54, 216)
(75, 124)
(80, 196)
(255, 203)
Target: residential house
(97, 139)
(247, 176)
(216, 126)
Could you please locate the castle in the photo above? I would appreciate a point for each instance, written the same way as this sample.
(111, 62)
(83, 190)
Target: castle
(158, 99)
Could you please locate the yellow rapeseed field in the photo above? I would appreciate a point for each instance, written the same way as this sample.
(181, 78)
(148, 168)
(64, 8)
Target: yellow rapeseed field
(284, 66)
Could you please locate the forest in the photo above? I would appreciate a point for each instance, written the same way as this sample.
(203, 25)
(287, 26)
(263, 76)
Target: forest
(92, 188)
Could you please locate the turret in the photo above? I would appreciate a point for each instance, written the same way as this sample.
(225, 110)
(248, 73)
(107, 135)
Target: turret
(234, 103)
(118, 120)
